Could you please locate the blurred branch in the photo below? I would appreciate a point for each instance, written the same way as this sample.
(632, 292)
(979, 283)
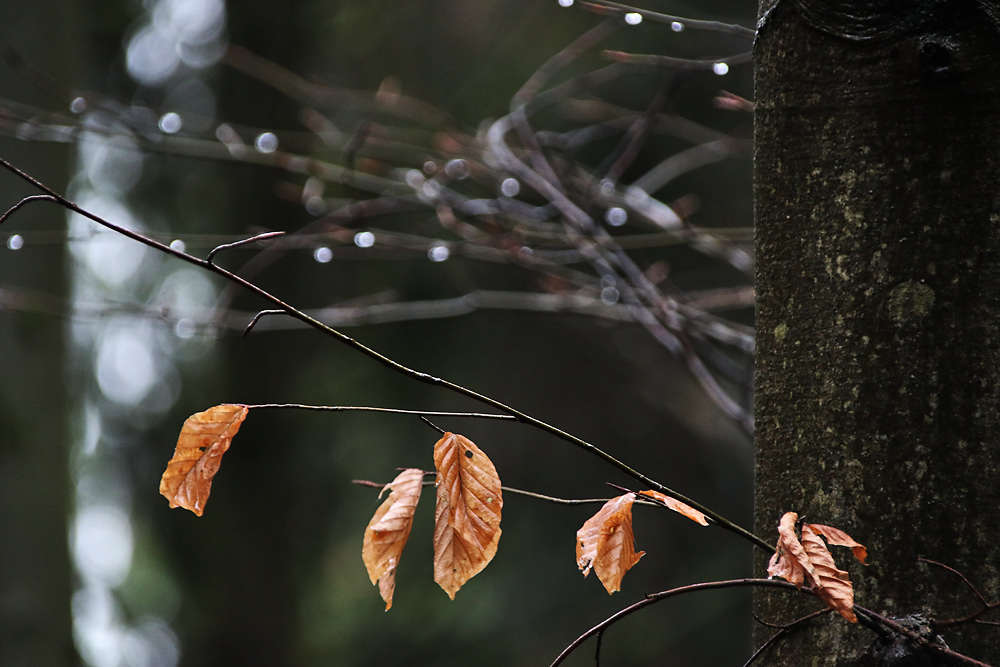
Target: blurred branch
(508, 489)
(621, 9)
(678, 63)
(513, 193)
(374, 310)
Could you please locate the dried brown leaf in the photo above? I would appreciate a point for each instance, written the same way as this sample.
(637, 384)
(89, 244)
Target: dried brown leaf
(831, 584)
(204, 438)
(605, 543)
(839, 538)
(677, 506)
(790, 561)
(389, 529)
(807, 560)
(467, 513)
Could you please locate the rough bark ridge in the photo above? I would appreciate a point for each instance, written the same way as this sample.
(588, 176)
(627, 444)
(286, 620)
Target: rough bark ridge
(877, 181)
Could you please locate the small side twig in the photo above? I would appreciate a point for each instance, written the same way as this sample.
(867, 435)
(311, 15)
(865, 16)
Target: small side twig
(242, 242)
(987, 606)
(256, 318)
(958, 574)
(970, 618)
(432, 425)
(782, 630)
(24, 202)
(663, 595)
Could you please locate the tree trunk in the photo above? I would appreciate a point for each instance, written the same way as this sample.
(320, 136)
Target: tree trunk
(877, 182)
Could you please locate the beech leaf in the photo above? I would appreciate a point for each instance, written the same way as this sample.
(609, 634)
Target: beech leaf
(204, 438)
(605, 543)
(807, 560)
(467, 512)
(831, 584)
(389, 529)
(678, 506)
(790, 561)
(839, 538)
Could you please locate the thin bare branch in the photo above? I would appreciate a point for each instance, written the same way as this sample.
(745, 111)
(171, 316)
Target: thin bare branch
(364, 408)
(782, 631)
(434, 426)
(663, 595)
(243, 242)
(257, 317)
(958, 574)
(394, 365)
(24, 202)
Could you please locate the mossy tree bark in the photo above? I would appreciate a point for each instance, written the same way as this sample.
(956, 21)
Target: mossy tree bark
(877, 182)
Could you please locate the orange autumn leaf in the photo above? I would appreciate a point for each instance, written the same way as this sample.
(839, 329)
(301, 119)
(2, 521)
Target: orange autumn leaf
(839, 538)
(389, 529)
(807, 560)
(606, 543)
(790, 561)
(204, 438)
(831, 584)
(467, 513)
(677, 506)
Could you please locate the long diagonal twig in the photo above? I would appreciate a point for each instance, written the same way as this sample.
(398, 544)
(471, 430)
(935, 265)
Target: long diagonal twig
(53, 196)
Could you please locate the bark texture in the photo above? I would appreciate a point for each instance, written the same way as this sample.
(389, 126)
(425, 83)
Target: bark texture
(877, 183)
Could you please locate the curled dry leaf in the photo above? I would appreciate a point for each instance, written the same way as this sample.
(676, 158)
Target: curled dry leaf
(204, 438)
(389, 529)
(467, 513)
(790, 561)
(677, 506)
(839, 538)
(807, 560)
(831, 584)
(606, 543)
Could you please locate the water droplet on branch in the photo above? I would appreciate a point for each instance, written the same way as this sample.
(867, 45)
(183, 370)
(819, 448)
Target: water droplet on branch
(266, 142)
(438, 253)
(510, 187)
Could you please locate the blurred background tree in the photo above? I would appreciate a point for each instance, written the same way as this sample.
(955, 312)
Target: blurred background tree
(201, 123)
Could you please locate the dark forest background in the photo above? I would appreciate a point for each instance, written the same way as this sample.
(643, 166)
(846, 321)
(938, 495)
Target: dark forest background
(272, 574)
